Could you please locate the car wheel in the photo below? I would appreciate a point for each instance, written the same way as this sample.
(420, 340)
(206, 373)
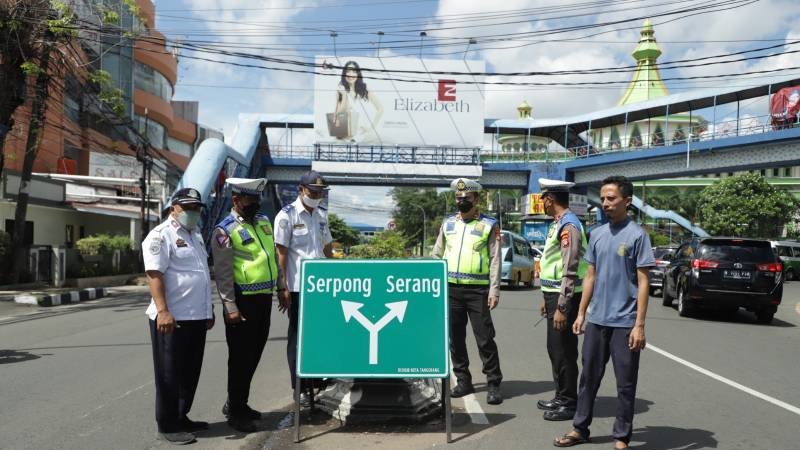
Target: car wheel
(683, 307)
(790, 275)
(652, 292)
(764, 317)
(666, 299)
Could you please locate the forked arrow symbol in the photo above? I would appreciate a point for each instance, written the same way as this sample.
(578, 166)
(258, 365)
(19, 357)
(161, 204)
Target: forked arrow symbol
(351, 310)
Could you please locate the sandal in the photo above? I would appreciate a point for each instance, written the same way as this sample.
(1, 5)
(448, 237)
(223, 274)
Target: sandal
(568, 440)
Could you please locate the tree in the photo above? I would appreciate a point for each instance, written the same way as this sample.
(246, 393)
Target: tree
(341, 232)
(385, 245)
(36, 45)
(410, 202)
(745, 205)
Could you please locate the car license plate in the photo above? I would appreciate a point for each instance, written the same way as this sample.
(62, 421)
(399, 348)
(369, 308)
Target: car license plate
(737, 274)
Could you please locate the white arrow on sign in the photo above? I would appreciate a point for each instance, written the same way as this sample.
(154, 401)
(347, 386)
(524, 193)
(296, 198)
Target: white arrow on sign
(396, 309)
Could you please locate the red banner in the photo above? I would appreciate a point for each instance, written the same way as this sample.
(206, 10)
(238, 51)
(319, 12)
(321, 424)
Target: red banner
(785, 106)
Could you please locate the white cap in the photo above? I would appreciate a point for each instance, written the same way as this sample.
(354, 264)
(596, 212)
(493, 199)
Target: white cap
(554, 185)
(465, 185)
(247, 186)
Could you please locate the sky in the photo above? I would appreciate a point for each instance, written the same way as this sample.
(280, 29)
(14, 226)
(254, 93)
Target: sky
(300, 29)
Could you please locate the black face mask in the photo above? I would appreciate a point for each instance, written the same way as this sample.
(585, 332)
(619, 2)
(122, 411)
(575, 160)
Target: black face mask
(464, 206)
(249, 211)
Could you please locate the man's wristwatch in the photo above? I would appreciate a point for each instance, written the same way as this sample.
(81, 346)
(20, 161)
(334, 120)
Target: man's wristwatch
(563, 307)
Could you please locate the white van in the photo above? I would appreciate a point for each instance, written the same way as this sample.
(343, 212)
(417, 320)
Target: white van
(518, 259)
(789, 253)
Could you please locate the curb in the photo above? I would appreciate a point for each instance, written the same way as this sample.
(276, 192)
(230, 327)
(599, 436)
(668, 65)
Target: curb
(63, 298)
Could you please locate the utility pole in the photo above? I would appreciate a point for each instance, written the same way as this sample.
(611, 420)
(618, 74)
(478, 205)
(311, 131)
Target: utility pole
(143, 155)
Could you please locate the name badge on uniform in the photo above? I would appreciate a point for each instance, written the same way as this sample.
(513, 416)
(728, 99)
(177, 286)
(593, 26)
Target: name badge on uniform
(266, 229)
(450, 227)
(478, 230)
(245, 236)
(181, 243)
(298, 226)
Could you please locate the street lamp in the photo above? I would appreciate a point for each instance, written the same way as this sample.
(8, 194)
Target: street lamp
(424, 222)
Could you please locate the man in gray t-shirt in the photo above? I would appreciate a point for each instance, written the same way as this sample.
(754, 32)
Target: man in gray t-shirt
(614, 306)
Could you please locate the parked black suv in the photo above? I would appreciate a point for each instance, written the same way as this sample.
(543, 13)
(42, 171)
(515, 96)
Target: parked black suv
(663, 257)
(725, 273)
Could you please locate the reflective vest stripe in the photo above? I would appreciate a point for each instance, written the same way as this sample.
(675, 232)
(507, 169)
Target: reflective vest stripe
(467, 276)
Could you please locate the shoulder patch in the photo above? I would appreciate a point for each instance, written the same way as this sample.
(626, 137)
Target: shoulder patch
(155, 246)
(283, 223)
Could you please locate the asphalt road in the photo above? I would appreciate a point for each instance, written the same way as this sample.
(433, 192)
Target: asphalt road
(80, 377)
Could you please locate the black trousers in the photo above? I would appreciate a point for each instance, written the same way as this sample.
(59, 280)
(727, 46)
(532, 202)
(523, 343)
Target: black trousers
(562, 346)
(246, 341)
(291, 346)
(600, 343)
(177, 360)
(469, 304)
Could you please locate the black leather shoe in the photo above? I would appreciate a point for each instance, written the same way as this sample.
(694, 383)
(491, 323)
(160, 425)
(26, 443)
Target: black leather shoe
(548, 405)
(461, 390)
(494, 397)
(306, 400)
(242, 424)
(247, 412)
(193, 425)
(560, 413)
(177, 438)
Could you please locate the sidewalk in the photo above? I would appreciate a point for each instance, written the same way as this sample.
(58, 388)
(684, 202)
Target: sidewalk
(48, 296)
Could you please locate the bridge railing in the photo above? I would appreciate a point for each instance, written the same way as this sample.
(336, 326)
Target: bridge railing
(438, 155)
(744, 126)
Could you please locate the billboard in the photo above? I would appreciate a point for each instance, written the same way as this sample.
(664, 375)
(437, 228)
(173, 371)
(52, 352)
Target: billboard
(785, 106)
(366, 101)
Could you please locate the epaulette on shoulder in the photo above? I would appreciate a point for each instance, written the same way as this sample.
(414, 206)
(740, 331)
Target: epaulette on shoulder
(226, 222)
(322, 208)
(261, 216)
(488, 219)
(158, 228)
(288, 207)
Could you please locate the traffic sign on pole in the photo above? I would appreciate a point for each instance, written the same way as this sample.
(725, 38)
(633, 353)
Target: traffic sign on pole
(373, 318)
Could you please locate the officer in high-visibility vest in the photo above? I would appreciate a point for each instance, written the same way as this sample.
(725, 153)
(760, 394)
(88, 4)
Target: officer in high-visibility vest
(246, 273)
(561, 272)
(470, 242)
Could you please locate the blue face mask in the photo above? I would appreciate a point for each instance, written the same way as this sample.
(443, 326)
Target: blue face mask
(188, 219)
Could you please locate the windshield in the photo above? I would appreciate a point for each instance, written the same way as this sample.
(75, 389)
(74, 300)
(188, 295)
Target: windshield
(506, 240)
(732, 251)
(659, 253)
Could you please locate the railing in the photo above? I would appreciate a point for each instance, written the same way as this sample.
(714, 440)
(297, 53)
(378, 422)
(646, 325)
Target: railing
(438, 155)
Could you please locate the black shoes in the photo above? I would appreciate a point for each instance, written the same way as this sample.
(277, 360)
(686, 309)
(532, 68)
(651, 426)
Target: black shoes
(493, 397)
(177, 438)
(560, 413)
(242, 424)
(461, 390)
(192, 425)
(247, 412)
(548, 405)
(306, 399)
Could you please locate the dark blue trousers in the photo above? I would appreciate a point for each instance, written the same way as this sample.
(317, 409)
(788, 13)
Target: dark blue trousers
(600, 343)
(177, 359)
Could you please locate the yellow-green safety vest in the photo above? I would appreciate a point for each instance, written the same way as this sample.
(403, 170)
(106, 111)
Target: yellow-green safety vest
(467, 249)
(551, 267)
(255, 269)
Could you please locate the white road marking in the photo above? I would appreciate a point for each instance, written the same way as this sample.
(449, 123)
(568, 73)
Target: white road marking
(471, 405)
(753, 392)
(120, 397)
(797, 308)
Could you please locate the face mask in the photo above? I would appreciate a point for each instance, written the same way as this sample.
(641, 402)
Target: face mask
(311, 202)
(464, 206)
(188, 219)
(249, 211)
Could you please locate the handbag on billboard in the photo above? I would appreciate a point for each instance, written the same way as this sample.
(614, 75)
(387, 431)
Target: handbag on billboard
(341, 125)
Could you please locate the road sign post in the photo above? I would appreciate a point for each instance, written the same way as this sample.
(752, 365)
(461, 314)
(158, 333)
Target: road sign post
(373, 319)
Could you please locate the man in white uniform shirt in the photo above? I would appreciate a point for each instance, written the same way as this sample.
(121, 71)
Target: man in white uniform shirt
(180, 313)
(301, 232)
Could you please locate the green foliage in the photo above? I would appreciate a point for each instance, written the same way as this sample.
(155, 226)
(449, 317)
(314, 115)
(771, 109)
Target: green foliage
(100, 78)
(410, 202)
(110, 17)
(63, 25)
(110, 96)
(658, 239)
(747, 206)
(103, 244)
(341, 232)
(385, 245)
(31, 69)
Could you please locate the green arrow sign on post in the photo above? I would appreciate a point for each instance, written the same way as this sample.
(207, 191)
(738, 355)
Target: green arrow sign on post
(373, 318)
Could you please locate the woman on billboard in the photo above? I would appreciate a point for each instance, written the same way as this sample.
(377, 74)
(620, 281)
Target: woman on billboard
(353, 120)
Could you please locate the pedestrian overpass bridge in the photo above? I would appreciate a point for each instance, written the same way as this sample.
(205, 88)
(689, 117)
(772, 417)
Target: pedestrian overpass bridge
(742, 145)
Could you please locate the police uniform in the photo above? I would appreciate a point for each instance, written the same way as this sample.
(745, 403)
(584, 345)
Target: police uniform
(246, 273)
(179, 255)
(305, 235)
(561, 273)
(472, 252)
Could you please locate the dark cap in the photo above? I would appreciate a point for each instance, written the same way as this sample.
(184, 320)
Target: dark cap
(187, 196)
(314, 181)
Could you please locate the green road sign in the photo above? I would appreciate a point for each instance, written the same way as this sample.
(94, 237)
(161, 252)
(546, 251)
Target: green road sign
(373, 318)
